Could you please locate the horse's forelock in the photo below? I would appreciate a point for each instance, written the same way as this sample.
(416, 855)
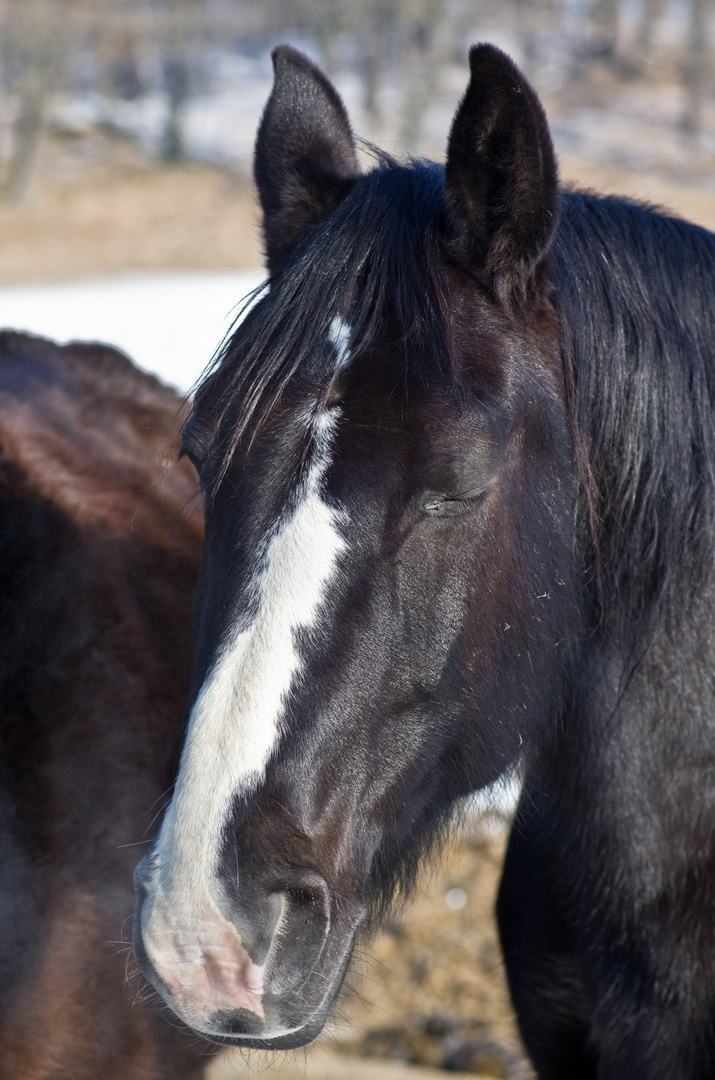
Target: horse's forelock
(376, 265)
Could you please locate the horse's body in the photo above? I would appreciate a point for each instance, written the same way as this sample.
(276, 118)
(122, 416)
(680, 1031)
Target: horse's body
(100, 550)
(458, 478)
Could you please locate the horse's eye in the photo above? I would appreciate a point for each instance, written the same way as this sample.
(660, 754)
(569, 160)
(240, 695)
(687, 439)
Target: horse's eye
(192, 444)
(194, 458)
(443, 506)
(449, 505)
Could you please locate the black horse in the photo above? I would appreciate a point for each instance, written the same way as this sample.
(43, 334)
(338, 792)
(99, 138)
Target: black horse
(458, 474)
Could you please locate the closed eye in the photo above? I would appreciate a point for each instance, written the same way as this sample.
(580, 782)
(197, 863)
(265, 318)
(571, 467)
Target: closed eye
(449, 505)
(187, 452)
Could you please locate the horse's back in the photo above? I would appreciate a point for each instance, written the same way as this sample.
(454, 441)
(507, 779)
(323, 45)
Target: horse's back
(99, 549)
(78, 417)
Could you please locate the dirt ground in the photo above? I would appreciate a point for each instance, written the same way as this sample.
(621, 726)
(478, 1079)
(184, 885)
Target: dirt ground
(429, 992)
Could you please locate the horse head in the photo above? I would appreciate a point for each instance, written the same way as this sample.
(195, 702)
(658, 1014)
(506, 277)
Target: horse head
(385, 592)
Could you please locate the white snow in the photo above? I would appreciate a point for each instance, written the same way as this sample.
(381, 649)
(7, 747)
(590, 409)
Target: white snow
(170, 324)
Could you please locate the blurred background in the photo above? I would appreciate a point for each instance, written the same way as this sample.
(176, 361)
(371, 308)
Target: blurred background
(185, 80)
(127, 126)
(127, 214)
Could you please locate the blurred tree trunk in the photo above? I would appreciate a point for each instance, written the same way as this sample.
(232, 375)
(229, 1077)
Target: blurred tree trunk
(377, 26)
(327, 18)
(527, 15)
(651, 12)
(176, 76)
(696, 68)
(178, 38)
(28, 128)
(423, 68)
(34, 35)
(604, 19)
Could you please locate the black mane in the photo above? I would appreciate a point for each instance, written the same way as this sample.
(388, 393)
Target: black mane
(635, 306)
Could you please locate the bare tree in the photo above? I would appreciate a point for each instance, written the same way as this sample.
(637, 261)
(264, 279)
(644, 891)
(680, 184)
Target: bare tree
(179, 27)
(651, 11)
(421, 50)
(32, 37)
(696, 67)
(328, 18)
(604, 19)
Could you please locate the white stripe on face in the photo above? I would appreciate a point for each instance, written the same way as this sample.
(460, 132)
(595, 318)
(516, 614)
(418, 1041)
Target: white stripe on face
(339, 336)
(235, 723)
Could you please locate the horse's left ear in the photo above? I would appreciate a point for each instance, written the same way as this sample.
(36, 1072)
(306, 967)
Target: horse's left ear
(305, 158)
(501, 175)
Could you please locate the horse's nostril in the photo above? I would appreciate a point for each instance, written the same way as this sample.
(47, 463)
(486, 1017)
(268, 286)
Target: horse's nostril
(301, 932)
(311, 895)
(301, 896)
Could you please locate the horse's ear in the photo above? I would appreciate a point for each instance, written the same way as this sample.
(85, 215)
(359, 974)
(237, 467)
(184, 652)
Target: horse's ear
(305, 158)
(501, 175)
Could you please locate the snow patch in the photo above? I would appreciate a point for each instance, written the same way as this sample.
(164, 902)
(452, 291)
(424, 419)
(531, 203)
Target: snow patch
(170, 324)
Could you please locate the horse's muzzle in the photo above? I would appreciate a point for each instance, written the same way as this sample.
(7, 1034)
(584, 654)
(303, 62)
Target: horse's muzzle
(261, 969)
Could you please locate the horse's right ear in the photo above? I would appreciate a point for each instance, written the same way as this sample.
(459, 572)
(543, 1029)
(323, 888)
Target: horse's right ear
(305, 158)
(501, 175)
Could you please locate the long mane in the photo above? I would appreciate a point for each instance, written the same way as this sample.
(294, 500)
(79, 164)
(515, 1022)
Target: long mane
(635, 292)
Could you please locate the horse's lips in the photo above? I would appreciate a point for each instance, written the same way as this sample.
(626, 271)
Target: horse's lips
(223, 985)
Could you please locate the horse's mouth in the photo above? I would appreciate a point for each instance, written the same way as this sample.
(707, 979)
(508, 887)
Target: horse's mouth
(218, 990)
(286, 1021)
(239, 1029)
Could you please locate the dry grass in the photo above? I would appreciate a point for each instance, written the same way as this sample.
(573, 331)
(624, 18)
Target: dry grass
(692, 201)
(439, 960)
(190, 218)
(123, 215)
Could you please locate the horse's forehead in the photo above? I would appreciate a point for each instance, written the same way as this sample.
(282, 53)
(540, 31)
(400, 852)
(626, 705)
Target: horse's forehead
(383, 394)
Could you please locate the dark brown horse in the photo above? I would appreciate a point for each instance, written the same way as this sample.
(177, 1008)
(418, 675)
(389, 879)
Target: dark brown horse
(100, 548)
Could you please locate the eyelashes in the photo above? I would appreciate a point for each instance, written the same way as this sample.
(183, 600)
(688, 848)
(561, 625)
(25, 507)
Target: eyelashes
(449, 505)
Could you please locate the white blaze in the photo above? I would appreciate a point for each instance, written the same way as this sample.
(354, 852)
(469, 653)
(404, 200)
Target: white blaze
(339, 335)
(235, 723)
